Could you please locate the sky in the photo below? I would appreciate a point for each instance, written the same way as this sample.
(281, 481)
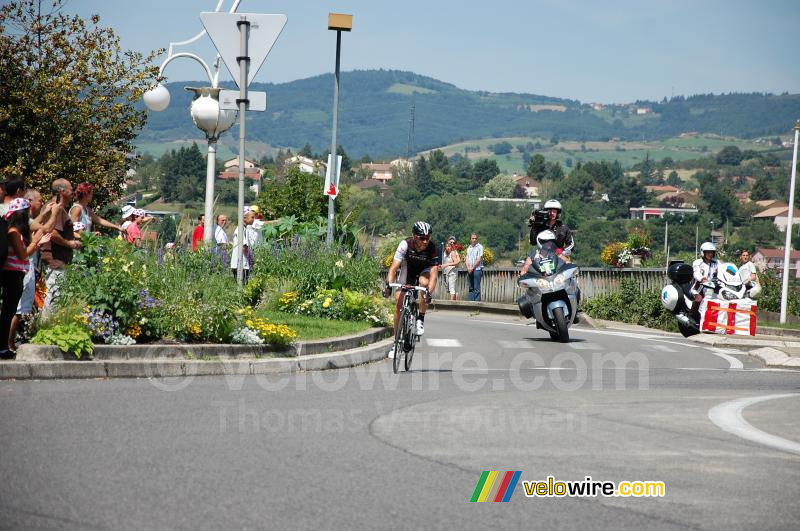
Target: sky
(615, 51)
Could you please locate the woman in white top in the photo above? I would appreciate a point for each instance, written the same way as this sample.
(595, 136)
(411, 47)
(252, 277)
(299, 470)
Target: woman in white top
(80, 211)
(450, 267)
(747, 271)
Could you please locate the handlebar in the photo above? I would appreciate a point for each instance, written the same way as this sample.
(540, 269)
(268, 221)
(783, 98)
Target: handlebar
(408, 287)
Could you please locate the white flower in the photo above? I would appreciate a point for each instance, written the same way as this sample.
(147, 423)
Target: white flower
(246, 336)
(339, 263)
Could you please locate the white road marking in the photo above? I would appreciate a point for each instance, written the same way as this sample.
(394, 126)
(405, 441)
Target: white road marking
(728, 416)
(582, 345)
(443, 343)
(523, 344)
(722, 353)
(661, 348)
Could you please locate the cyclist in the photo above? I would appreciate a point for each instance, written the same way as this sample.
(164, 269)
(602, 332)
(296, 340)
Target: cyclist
(418, 261)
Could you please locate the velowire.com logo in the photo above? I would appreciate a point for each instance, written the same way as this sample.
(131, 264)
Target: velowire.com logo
(495, 486)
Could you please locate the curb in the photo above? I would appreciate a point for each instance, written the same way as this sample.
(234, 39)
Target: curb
(161, 368)
(487, 307)
(190, 351)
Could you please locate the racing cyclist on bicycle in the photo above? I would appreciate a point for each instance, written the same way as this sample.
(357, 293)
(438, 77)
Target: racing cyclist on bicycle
(418, 260)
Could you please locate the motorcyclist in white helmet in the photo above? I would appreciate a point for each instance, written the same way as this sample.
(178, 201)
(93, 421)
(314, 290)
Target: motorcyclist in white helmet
(548, 219)
(705, 269)
(545, 241)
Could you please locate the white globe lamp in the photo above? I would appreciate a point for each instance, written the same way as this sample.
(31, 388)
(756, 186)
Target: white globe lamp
(157, 99)
(207, 115)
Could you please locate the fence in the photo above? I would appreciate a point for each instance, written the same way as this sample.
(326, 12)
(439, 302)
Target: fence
(500, 284)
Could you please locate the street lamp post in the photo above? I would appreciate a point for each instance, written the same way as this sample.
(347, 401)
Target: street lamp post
(205, 112)
(339, 23)
(788, 243)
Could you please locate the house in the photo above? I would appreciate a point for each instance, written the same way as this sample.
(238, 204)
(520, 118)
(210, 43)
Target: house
(779, 215)
(773, 259)
(378, 172)
(379, 185)
(658, 212)
(643, 110)
(306, 164)
(597, 106)
(235, 162)
(529, 185)
(252, 175)
(678, 200)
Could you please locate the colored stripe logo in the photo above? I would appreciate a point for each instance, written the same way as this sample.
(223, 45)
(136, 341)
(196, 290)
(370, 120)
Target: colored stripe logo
(496, 486)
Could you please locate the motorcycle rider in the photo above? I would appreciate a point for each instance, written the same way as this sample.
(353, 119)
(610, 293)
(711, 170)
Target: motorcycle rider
(705, 268)
(545, 241)
(552, 210)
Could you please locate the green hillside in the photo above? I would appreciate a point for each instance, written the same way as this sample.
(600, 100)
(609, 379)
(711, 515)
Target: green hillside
(375, 107)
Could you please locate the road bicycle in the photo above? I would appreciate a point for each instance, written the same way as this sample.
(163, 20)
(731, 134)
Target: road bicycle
(405, 336)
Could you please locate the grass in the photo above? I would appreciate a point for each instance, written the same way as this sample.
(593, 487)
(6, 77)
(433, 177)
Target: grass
(407, 90)
(308, 327)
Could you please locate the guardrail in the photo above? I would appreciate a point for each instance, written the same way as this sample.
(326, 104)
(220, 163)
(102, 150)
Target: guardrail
(500, 284)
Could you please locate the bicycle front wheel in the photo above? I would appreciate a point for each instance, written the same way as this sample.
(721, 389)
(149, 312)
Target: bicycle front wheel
(399, 340)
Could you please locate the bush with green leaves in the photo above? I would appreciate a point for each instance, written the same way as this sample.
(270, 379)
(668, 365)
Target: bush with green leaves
(770, 299)
(312, 266)
(631, 305)
(70, 338)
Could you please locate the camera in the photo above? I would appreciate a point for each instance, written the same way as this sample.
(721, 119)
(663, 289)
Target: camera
(538, 217)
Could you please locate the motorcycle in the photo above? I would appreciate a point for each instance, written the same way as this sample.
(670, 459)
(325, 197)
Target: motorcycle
(552, 294)
(678, 296)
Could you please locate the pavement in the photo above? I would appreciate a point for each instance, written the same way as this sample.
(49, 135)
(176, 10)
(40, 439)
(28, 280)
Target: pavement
(363, 448)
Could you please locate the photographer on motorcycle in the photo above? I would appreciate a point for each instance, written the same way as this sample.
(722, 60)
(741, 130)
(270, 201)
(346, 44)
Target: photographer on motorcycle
(548, 219)
(705, 269)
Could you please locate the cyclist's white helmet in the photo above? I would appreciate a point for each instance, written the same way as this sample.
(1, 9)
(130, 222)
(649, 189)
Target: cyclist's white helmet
(421, 228)
(544, 237)
(708, 246)
(553, 203)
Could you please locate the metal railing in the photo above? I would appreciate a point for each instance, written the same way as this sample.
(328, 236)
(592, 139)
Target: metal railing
(500, 284)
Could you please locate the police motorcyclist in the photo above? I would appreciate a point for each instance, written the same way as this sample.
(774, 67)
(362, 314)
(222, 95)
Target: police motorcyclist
(705, 269)
(552, 211)
(545, 241)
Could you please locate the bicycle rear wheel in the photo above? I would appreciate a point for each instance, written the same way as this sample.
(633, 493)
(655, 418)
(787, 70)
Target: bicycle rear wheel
(412, 336)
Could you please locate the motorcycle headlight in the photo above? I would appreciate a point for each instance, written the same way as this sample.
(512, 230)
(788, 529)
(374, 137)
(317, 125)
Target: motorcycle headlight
(559, 280)
(543, 284)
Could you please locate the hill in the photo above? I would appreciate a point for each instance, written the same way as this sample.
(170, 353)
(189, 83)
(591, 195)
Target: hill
(375, 107)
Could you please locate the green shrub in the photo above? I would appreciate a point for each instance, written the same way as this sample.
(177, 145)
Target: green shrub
(70, 338)
(630, 305)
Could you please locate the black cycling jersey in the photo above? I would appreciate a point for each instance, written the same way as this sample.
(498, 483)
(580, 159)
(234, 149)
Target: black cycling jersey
(416, 262)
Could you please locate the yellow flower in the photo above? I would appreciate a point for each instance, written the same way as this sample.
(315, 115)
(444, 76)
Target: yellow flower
(134, 330)
(327, 303)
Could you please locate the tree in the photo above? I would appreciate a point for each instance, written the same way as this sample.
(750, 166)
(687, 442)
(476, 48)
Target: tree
(67, 98)
(760, 189)
(673, 179)
(299, 195)
(537, 168)
(484, 170)
(306, 151)
(501, 148)
(500, 186)
(167, 230)
(554, 171)
(578, 184)
(729, 156)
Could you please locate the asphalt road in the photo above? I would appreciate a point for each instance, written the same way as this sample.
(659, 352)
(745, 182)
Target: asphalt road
(366, 449)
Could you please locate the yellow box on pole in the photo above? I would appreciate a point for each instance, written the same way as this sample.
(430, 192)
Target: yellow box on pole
(340, 22)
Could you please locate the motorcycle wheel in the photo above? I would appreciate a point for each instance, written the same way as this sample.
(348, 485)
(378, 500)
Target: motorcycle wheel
(561, 325)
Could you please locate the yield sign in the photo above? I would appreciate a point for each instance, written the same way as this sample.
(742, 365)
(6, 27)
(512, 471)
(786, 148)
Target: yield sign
(224, 33)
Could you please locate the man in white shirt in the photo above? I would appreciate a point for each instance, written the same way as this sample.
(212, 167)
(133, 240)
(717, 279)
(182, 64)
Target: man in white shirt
(219, 231)
(250, 238)
(474, 263)
(705, 269)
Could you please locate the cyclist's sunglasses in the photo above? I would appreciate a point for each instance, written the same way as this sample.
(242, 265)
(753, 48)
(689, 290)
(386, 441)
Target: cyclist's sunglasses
(423, 238)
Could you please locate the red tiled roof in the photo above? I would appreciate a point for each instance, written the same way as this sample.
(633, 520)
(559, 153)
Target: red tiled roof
(777, 253)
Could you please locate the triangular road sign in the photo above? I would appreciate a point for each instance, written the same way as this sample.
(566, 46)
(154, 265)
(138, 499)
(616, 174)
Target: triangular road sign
(224, 33)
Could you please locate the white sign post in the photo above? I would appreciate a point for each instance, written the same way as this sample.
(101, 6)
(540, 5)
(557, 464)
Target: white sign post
(232, 33)
(332, 189)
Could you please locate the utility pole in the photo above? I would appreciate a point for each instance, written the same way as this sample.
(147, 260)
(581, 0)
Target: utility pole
(410, 144)
(788, 243)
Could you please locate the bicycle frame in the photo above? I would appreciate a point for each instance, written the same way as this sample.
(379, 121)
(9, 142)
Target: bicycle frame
(405, 335)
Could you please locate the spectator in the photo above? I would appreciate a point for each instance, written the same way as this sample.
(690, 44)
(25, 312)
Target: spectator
(247, 251)
(219, 231)
(747, 269)
(11, 190)
(474, 263)
(133, 231)
(20, 247)
(450, 267)
(39, 228)
(56, 251)
(80, 211)
(197, 234)
(127, 213)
